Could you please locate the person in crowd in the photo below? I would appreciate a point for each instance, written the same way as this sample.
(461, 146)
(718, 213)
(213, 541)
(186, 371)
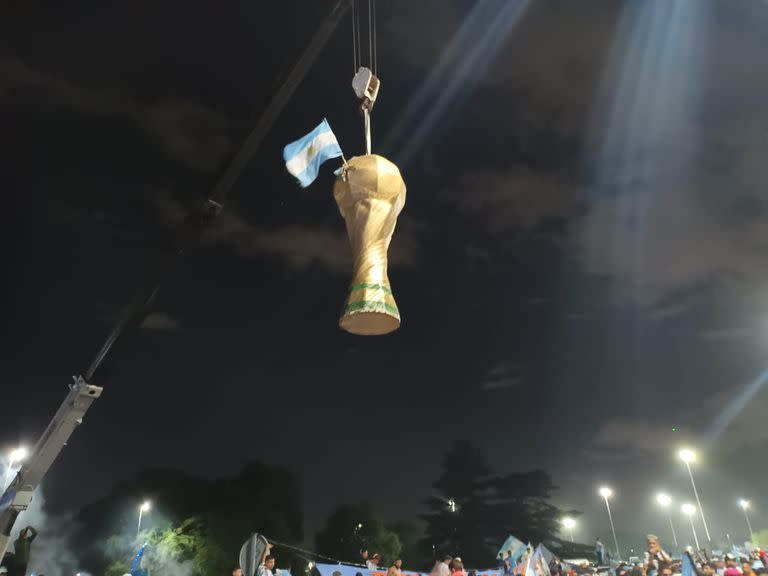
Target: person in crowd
(237, 571)
(508, 569)
(600, 552)
(373, 562)
(731, 566)
(396, 568)
(457, 568)
(746, 568)
(364, 557)
(442, 567)
(703, 569)
(22, 549)
(267, 568)
(655, 558)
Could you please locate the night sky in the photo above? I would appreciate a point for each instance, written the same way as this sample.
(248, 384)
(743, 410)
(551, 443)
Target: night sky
(581, 264)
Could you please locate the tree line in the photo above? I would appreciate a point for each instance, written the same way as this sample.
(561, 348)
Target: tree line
(197, 525)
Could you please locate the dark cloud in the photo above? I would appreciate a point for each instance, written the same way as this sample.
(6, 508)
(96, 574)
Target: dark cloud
(723, 334)
(298, 246)
(512, 199)
(635, 437)
(194, 135)
(502, 377)
(160, 322)
(302, 246)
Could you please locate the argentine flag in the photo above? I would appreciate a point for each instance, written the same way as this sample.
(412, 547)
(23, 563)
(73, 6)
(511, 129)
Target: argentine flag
(512, 548)
(303, 157)
(686, 566)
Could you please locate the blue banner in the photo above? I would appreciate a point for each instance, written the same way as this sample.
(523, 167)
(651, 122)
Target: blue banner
(7, 498)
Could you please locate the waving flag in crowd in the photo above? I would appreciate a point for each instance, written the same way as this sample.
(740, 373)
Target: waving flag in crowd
(512, 549)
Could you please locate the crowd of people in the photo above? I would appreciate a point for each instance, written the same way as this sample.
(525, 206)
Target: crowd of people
(655, 562)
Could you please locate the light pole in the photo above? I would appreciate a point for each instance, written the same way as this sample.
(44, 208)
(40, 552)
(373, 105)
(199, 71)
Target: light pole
(606, 493)
(145, 506)
(14, 457)
(689, 510)
(665, 501)
(745, 506)
(569, 524)
(689, 456)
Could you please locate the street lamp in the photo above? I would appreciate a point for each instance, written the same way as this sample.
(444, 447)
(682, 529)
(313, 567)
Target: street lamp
(569, 524)
(689, 510)
(452, 506)
(14, 457)
(745, 506)
(689, 456)
(606, 493)
(145, 507)
(665, 501)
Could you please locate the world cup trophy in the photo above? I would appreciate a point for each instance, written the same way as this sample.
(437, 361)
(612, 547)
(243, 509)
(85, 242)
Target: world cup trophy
(370, 194)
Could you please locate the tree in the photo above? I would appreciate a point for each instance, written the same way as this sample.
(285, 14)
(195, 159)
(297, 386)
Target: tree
(180, 549)
(520, 507)
(473, 511)
(760, 538)
(352, 528)
(458, 510)
(218, 516)
(411, 552)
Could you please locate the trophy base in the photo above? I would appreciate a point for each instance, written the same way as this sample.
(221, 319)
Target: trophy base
(370, 310)
(369, 323)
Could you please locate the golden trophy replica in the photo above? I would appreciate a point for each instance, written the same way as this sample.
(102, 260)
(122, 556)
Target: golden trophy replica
(370, 193)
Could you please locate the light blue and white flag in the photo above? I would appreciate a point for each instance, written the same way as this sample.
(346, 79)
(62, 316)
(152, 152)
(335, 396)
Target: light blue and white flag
(513, 549)
(686, 566)
(539, 563)
(303, 157)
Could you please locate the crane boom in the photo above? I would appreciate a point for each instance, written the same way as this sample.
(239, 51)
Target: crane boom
(18, 495)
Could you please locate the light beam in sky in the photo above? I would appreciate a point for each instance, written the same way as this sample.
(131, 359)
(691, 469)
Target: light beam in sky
(644, 127)
(463, 62)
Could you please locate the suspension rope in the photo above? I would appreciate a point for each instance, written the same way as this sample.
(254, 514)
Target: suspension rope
(359, 42)
(370, 35)
(354, 39)
(375, 46)
(358, 60)
(301, 551)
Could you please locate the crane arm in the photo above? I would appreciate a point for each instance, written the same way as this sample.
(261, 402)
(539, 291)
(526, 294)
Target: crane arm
(18, 495)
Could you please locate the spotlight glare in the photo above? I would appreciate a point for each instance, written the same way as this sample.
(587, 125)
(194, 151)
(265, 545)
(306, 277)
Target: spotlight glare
(19, 454)
(663, 500)
(687, 455)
